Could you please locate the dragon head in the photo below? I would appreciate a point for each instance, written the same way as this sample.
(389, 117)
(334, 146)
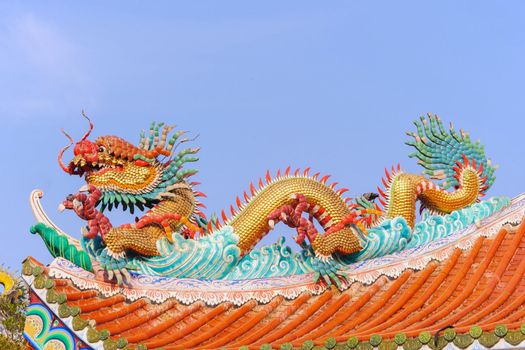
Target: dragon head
(129, 174)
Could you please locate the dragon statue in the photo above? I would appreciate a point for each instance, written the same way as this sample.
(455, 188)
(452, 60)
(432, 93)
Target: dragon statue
(151, 177)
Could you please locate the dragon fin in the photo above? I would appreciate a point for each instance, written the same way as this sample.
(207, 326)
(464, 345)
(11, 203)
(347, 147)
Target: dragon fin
(439, 152)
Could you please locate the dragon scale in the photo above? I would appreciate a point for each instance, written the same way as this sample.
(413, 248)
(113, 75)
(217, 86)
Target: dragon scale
(120, 173)
(251, 223)
(406, 190)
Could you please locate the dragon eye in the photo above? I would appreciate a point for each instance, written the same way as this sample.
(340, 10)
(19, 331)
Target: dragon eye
(101, 148)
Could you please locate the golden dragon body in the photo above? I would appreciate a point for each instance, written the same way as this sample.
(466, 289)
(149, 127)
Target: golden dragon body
(134, 177)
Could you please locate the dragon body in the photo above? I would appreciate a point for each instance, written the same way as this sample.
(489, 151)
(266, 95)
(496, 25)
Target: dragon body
(403, 191)
(151, 177)
(252, 222)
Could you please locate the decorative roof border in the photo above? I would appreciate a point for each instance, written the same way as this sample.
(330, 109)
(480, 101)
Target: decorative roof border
(44, 289)
(417, 258)
(187, 291)
(475, 337)
(213, 292)
(499, 337)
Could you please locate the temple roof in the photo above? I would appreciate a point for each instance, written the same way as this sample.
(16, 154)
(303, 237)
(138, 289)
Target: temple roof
(471, 289)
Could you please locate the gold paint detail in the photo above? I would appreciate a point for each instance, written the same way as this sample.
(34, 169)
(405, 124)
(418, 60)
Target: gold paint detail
(251, 223)
(344, 241)
(130, 179)
(144, 240)
(404, 195)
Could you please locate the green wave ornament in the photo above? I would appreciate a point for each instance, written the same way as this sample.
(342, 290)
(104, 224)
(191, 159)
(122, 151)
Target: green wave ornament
(59, 246)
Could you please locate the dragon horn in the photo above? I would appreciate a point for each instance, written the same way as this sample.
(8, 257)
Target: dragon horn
(90, 126)
(60, 162)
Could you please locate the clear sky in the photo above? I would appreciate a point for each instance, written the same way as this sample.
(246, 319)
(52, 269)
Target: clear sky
(331, 85)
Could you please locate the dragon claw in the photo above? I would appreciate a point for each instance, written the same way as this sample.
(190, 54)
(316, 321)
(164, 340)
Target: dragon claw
(112, 267)
(117, 275)
(169, 234)
(110, 274)
(77, 205)
(299, 239)
(120, 276)
(330, 271)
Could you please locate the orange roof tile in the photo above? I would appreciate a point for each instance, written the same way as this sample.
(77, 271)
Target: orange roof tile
(481, 285)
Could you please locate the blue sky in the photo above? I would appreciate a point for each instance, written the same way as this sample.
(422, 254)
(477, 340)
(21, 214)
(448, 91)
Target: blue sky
(330, 85)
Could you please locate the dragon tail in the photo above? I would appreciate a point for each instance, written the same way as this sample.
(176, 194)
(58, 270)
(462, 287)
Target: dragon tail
(60, 246)
(444, 154)
(449, 158)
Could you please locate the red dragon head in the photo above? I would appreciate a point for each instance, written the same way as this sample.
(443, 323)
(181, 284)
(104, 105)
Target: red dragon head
(84, 149)
(132, 173)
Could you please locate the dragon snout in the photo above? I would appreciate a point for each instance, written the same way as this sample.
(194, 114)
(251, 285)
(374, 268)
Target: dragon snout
(85, 155)
(67, 204)
(87, 150)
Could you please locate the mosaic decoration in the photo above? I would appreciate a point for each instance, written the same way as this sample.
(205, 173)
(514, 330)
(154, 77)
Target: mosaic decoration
(368, 272)
(190, 258)
(44, 331)
(175, 239)
(239, 291)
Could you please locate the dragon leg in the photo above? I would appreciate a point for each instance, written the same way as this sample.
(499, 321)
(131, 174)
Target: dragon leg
(140, 240)
(93, 230)
(166, 220)
(291, 215)
(323, 245)
(337, 239)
